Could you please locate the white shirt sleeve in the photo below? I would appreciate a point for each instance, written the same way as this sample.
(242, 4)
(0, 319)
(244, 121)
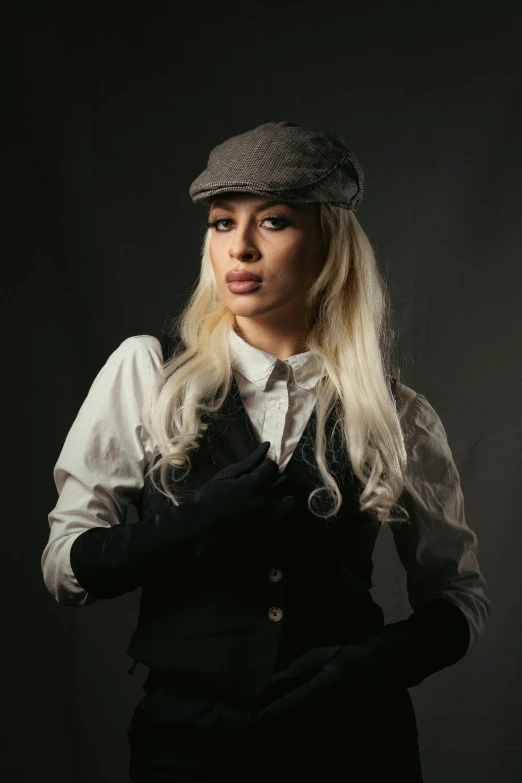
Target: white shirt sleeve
(101, 467)
(437, 548)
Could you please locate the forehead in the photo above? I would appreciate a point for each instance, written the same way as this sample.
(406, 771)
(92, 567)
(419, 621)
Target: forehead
(234, 200)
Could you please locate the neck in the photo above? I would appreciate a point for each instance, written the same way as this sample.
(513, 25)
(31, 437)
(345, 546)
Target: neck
(270, 339)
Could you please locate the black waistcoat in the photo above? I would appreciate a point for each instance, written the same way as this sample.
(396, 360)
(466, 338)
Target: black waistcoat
(255, 602)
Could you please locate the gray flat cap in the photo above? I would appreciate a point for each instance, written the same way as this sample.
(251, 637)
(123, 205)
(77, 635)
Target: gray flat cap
(283, 160)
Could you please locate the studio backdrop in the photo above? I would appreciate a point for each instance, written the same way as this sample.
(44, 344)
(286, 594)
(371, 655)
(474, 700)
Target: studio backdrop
(111, 111)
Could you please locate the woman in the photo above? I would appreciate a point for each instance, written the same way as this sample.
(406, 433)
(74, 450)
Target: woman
(267, 653)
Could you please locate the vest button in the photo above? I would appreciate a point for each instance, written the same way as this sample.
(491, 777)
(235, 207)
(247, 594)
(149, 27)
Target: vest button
(275, 614)
(275, 574)
(271, 455)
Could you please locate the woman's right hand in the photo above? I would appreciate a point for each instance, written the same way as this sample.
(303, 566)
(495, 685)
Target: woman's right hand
(244, 496)
(248, 494)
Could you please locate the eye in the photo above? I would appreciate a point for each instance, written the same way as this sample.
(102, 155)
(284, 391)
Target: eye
(284, 222)
(281, 220)
(214, 223)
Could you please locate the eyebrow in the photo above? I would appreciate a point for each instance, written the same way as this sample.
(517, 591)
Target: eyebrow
(273, 203)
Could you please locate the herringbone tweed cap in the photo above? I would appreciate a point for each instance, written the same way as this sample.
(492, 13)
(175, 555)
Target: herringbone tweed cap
(283, 160)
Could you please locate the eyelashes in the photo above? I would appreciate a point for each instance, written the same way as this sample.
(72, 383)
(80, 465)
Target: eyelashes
(217, 221)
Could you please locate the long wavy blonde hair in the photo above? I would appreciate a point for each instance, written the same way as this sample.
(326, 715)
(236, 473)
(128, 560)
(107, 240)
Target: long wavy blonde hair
(349, 312)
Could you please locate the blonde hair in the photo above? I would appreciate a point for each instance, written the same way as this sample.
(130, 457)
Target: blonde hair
(350, 331)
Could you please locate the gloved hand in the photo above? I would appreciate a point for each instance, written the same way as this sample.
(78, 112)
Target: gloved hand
(403, 654)
(244, 495)
(110, 561)
(350, 668)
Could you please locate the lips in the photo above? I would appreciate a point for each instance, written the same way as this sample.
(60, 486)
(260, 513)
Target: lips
(233, 276)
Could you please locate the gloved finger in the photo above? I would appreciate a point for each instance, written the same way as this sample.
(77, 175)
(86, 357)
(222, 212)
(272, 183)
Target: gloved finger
(278, 488)
(304, 667)
(295, 698)
(246, 465)
(263, 474)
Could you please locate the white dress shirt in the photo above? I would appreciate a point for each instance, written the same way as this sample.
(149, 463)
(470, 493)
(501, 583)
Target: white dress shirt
(100, 470)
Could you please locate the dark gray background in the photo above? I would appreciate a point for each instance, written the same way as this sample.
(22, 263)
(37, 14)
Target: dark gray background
(112, 110)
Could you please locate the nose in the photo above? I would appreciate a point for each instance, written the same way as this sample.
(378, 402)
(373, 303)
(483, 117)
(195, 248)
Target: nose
(242, 245)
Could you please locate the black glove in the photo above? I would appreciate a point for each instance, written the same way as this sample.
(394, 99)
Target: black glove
(349, 668)
(401, 655)
(110, 561)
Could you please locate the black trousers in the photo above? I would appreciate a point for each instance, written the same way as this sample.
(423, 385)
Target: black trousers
(178, 734)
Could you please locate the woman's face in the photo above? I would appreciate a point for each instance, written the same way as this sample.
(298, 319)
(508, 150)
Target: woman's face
(278, 241)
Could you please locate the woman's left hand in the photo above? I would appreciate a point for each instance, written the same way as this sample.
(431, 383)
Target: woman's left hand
(350, 668)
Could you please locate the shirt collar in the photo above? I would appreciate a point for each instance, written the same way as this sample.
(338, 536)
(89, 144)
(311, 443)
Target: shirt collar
(257, 365)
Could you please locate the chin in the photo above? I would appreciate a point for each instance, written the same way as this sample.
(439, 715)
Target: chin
(246, 310)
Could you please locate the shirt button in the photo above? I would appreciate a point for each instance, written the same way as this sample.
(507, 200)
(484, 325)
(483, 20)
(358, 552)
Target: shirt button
(275, 574)
(271, 455)
(275, 614)
(280, 403)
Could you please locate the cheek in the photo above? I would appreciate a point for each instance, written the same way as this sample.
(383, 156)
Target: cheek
(215, 256)
(295, 261)
(219, 257)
